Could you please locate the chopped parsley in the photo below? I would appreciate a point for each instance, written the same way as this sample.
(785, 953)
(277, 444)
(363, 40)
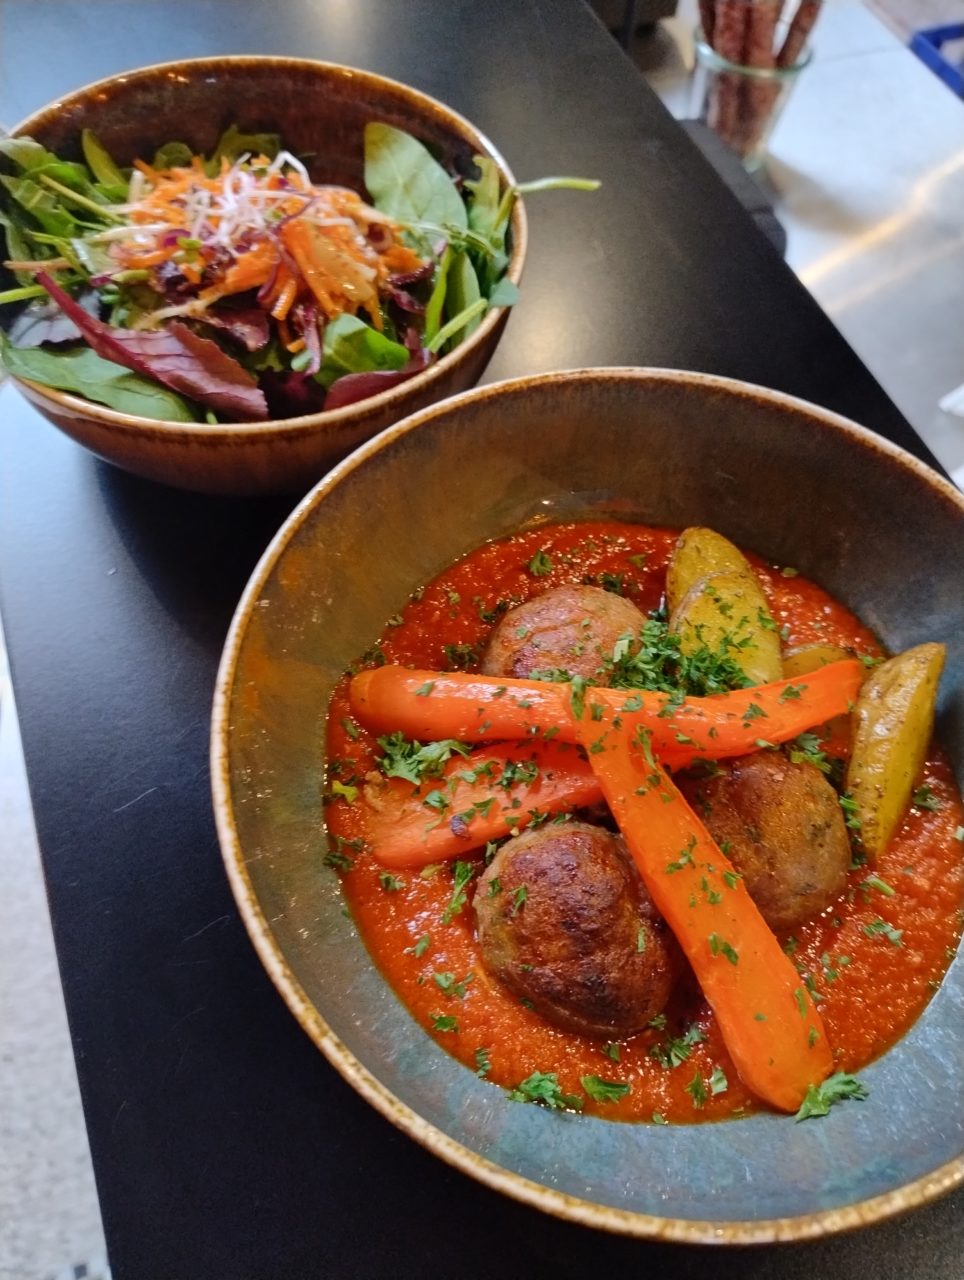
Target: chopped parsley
(390, 883)
(446, 982)
(720, 947)
(460, 657)
(653, 660)
(924, 798)
(881, 929)
(612, 1051)
(543, 1087)
(444, 1022)
(421, 946)
(697, 1090)
(836, 1088)
(674, 1051)
(347, 792)
(791, 691)
(413, 761)
(851, 811)
(462, 873)
(604, 1090)
(483, 1063)
(540, 565)
(518, 899)
(424, 690)
(718, 1081)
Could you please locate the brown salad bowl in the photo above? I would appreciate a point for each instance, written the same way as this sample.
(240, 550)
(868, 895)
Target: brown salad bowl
(320, 112)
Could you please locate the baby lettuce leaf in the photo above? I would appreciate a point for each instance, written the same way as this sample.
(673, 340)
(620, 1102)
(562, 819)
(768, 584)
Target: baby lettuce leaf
(85, 373)
(504, 294)
(407, 182)
(43, 321)
(233, 143)
(29, 155)
(436, 302)
(353, 387)
(102, 166)
(463, 290)
(173, 155)
(42, 205)
(176, 356)
(484, 204)
(351, 346)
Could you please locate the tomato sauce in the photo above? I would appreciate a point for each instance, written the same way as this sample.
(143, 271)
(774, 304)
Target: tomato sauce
(871, 961)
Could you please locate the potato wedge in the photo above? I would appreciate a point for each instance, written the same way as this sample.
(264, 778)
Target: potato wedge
(698, 553)
(729, 612)
(811, 657)
(836, 734)
(894, 720)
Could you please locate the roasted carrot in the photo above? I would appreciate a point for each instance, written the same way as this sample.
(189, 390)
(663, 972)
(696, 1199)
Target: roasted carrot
(474, 708)
(768, 1022)
(480, 797)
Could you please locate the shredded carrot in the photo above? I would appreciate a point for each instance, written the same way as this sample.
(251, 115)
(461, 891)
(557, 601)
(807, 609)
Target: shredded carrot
(260, 222)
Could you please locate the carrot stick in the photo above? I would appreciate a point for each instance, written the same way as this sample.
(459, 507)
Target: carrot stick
(769, 1024)
(474, 801)
(474, 708)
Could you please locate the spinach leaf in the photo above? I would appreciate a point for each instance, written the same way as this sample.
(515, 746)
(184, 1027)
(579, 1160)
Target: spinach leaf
(351, 346)
(113, 183)
(28, 155)
(436, 302)
(85, 373)
(504, 294)
(233, 143)
(18, 247)
(406, 182)
(41, 204)
(173, 155)
(463, 290)
(484, 204)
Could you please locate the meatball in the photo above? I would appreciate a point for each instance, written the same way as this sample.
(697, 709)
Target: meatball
(565, 922)
(570, 629)
(782, 826)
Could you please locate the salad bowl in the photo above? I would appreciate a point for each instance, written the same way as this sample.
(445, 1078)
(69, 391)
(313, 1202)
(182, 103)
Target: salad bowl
(320, 112)
(783, 478)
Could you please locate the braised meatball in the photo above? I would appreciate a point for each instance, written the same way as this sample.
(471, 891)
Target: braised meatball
(565, 922)
(781, 825)
(569, 629)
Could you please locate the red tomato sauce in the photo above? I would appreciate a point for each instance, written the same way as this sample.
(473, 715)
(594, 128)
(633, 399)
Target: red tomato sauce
(871, 961)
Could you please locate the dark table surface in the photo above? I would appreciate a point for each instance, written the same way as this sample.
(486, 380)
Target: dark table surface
(224, 1145)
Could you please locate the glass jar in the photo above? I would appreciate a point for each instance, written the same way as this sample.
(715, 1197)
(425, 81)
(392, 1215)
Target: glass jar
(742, 104)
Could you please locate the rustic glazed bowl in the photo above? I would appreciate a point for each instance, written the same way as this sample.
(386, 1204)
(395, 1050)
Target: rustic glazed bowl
(793, 482)
(320, 110)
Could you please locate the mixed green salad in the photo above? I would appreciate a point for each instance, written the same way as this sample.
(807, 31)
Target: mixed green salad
(230, 287)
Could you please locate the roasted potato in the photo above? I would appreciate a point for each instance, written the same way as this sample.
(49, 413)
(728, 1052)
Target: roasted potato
(894, 719)
(698, 554)
(729, 611)
(811, 657)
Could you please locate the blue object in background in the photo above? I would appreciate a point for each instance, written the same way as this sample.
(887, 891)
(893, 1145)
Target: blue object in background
(927, 45)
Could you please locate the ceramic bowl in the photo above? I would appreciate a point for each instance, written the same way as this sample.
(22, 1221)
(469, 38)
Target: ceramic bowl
(320, 110)
(793, 482)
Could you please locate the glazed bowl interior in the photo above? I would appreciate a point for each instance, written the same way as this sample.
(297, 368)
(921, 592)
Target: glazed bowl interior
(320, 111)
(795, 483)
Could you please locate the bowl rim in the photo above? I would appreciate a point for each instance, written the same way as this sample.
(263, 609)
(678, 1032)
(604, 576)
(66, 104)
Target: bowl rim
(254, 433)
(810, 1226)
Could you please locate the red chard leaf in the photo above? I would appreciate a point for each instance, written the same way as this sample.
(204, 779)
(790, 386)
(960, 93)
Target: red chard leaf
(174, 356)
